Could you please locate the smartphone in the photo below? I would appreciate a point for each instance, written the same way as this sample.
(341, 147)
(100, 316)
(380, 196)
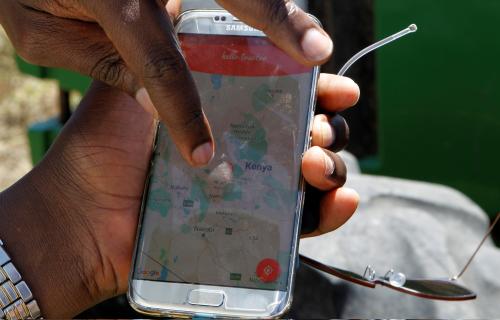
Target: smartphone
(222, 240)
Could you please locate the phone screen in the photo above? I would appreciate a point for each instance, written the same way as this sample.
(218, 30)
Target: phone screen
(232, 223)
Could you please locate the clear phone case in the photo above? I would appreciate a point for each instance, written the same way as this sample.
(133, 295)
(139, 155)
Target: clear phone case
(223, 240)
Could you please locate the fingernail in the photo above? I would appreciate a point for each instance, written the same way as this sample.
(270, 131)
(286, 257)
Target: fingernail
(142, 96)
(329, 166)
(327, 133)
(316, 45)
(203, 154)
(339, 175)
(341, 133)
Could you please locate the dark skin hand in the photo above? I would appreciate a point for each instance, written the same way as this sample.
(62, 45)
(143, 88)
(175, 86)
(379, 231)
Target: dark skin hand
(76, 213)
(131, 45)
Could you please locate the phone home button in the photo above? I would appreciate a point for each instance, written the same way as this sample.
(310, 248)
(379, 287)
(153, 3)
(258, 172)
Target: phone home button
(206, 298)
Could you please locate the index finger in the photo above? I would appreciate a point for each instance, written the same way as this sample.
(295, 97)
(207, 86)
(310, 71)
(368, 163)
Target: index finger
(144, 36)
(288, 26)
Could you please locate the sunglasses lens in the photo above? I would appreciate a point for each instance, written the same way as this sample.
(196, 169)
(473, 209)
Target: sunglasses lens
(435, 289)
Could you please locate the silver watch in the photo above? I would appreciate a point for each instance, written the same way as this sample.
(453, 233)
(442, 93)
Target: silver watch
(16, 299)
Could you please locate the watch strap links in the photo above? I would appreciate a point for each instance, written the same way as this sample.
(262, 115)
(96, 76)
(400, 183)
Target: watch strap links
(16, 298)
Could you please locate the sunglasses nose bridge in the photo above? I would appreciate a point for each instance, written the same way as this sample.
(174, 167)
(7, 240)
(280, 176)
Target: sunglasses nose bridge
(396, 279)
(370, 273)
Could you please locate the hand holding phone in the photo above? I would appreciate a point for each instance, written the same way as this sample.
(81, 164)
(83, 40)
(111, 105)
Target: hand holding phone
(121, 145)
(222, 240)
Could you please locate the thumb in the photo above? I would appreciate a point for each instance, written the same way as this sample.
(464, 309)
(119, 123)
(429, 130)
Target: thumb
(288, 26)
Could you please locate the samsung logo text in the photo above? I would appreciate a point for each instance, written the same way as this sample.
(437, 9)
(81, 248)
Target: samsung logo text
(240, 28)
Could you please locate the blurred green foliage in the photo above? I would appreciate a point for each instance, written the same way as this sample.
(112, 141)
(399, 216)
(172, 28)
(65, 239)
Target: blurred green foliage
(23, 100)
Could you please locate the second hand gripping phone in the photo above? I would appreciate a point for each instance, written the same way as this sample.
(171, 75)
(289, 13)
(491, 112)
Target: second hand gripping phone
(223, 240)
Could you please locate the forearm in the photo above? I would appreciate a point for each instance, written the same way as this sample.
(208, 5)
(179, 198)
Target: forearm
(33, 228)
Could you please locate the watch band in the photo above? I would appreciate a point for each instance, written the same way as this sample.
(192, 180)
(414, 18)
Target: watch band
(16, 299)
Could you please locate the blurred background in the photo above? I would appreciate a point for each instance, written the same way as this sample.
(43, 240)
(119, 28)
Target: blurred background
(23, 100)
(430, 107)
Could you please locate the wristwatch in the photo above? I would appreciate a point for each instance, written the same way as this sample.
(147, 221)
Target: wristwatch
(16, 299)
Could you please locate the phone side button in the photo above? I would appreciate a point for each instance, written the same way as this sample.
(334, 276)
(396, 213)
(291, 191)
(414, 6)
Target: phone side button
(206, 298)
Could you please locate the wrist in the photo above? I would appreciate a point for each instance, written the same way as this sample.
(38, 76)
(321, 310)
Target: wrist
(49, 244)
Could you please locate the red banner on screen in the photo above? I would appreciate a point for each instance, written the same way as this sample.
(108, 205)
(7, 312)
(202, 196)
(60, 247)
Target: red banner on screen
(238, 56)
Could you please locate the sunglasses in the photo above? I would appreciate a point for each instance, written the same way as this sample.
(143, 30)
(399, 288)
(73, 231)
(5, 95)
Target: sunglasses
(434, 289)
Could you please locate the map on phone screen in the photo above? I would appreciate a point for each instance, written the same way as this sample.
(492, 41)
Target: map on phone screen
(231, 223)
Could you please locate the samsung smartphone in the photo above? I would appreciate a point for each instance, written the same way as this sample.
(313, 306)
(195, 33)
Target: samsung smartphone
(222, 240)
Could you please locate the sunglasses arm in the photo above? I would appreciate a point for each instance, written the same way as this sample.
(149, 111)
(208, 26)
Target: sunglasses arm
(488, 233)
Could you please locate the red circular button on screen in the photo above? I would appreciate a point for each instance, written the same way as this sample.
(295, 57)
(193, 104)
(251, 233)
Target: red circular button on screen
(268, 270)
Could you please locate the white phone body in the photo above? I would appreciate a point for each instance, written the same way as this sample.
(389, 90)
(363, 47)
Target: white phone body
(171, 275)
